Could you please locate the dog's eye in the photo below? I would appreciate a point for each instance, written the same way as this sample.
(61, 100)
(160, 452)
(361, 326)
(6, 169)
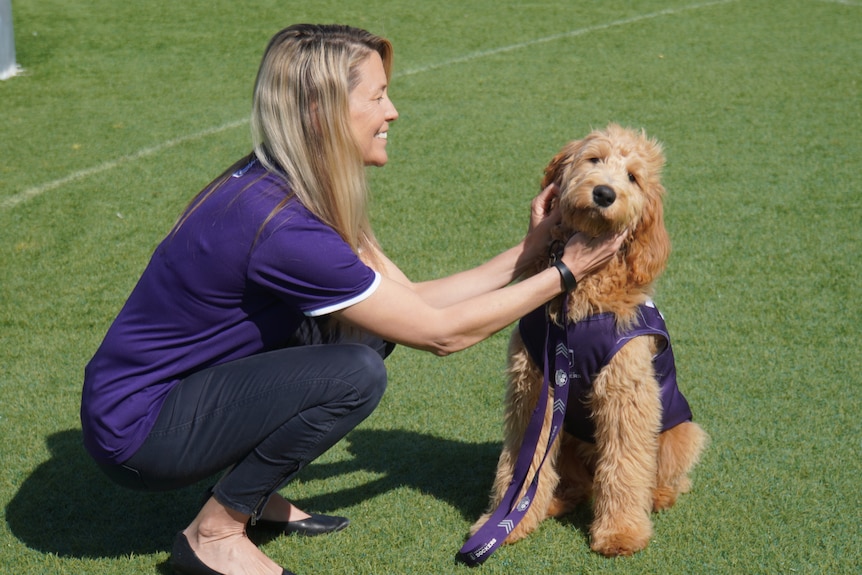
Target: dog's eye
(594, 160)
(632, 178)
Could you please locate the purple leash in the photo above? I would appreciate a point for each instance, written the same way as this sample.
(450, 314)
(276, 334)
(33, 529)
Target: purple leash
(511, 510)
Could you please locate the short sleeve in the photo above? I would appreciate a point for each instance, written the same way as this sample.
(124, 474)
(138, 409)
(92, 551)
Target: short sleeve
(305, 262)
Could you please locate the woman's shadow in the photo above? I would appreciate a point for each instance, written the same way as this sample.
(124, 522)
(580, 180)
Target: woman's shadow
(67, 507)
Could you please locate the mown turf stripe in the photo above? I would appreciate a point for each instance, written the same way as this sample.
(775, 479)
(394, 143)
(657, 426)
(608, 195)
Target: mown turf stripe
(36, 191)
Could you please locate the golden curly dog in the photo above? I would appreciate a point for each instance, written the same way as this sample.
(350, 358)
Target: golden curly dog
(635, 462)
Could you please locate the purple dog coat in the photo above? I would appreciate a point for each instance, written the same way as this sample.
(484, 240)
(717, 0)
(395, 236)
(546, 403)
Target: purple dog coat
(594, 341)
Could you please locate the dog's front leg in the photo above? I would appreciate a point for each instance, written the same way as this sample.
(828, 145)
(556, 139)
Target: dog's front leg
(626, 409)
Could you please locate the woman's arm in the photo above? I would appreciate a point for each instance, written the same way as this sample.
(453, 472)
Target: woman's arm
(493, 274)
(500, 271)
(398, 313)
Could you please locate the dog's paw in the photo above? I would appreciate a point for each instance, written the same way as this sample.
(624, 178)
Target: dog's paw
(620, 543)
(520, 532)
(524, 528)
(664, 498)
(479, 523)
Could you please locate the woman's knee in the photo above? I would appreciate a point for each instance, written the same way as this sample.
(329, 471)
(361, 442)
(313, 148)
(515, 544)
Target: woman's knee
(369, 373)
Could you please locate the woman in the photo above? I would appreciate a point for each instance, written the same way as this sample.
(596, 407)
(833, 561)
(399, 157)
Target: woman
(225, 356)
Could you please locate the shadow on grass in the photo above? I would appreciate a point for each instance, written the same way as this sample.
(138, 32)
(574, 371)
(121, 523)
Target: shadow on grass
(456, 472)
(67, 507)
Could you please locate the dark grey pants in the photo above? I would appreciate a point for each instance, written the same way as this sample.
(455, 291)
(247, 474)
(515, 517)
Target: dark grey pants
(263, 418)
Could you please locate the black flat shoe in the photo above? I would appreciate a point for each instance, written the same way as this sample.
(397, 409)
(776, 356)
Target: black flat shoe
(314, 525)
(184, 561)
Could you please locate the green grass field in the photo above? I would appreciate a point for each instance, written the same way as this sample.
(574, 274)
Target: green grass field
(126, 109)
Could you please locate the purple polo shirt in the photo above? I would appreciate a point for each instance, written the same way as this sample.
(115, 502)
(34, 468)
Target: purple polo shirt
(219, 289)
(594, 341)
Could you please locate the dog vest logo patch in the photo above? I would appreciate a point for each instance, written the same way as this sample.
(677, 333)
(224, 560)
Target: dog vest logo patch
(561, 378)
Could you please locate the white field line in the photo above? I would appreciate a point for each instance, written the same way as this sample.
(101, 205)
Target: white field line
(561, 36)
(31, 193)
(36, 191)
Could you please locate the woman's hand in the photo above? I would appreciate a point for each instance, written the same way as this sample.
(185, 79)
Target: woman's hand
(544, 207)
(584, 255)
(544, 215)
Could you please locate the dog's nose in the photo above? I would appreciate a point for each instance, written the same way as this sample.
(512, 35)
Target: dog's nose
(604, 196)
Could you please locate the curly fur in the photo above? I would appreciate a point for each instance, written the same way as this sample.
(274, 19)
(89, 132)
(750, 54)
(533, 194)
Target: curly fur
(609, 181)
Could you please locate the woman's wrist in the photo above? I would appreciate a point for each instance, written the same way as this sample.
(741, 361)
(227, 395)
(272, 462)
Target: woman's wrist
(567, 278)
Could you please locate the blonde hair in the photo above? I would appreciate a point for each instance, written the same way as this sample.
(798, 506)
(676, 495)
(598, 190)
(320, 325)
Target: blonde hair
(301, 123)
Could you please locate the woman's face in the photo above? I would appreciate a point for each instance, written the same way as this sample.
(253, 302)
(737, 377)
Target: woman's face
(371, 111)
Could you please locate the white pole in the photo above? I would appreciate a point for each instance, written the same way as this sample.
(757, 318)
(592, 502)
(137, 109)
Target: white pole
(8, 67)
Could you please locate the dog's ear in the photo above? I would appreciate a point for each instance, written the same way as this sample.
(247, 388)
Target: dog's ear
(649, 248)
(565, 157)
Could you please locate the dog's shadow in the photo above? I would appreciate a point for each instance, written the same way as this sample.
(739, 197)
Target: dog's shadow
(67, 507)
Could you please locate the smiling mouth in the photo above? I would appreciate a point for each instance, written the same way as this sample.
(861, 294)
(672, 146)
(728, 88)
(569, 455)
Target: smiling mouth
(382, 135)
